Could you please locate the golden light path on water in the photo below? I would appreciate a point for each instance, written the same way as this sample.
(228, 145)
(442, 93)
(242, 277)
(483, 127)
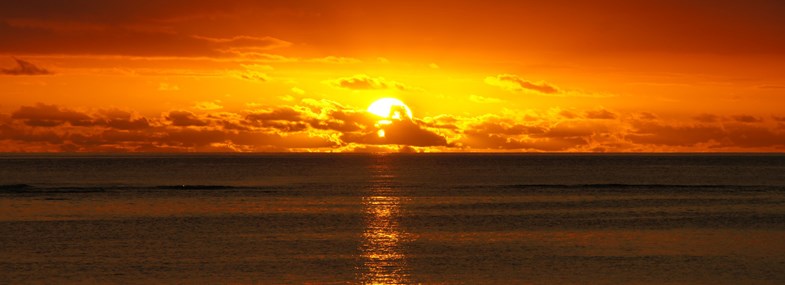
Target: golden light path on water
(384, 261)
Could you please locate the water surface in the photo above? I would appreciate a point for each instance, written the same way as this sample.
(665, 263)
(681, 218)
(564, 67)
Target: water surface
(392, 219)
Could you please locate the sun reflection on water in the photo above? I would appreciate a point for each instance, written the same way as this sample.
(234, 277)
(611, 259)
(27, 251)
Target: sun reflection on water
(383, 259)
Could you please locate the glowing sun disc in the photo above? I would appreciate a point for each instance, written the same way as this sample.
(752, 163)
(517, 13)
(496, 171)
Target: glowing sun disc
(389, 108)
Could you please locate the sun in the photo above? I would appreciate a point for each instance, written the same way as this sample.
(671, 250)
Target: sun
(390, 108)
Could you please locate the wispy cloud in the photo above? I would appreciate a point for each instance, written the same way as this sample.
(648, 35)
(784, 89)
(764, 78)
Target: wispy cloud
(25, 68)
(515, 83)
(365, 82)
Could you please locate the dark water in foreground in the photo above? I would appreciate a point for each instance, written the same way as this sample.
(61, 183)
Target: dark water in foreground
(388, 219)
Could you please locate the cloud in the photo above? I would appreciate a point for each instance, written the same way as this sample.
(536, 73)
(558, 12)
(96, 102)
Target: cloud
(747, 119)
(749, 136)
(42, 115)
(254, 72)
(484, 100)
(656, 133)
(324, 125)
(253, 75)
(25, 68)
(404, 132)
(121, 120)
(514, 83)
(284, 119)
(365, 82)
(297, 91)
(185, 119)
(255, 43)
(496, 125)
(601, 114)
(538, 133)
(165, 87)
(334, 60)
(62, 30)
(706, 118)
(647, 116)
(208, 105)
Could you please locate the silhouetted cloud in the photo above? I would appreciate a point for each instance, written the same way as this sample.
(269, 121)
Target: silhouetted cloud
(42, 115)
(673, 135)
(647, 116)
(284, 119)
(327, 125)
(706, 118)
(514, 83)
(747, 119)
(185, 119)
(600, 114)
(121, 120)
(24, 68)
(749, 136)
(404, 132)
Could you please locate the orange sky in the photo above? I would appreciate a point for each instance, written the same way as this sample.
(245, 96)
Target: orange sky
(613, 76)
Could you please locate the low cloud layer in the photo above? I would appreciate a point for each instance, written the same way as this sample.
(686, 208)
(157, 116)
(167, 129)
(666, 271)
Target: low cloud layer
(323, 125)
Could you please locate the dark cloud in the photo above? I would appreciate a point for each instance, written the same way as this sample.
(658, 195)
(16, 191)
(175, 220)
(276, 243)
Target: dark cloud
(42, 115)
(135, 37)
(443, 122)
(680, 135)
(568, 114)
(503, 126)
(403, 132)
(601, 114)
(253, 75)
(277, 114)
(28, 135)
(24, 68)
(748, 136)
(344, 121)
(328, 125)
(185, 119)
(747, 119)
(647, 116)
(284, 119)
(500, 142)
(658, 27)
(572, 129)
(515, 83)
(706, 118)
(257, 43)
(122, 120)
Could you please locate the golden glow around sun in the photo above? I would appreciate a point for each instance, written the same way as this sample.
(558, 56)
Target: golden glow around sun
(390, 108)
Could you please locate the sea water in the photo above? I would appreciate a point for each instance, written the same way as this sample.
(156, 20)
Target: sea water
(392, 219)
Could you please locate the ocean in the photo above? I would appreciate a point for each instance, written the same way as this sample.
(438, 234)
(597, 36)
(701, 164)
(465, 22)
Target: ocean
(392, 219)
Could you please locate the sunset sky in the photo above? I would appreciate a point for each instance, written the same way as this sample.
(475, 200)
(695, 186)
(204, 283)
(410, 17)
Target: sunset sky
(522, 76)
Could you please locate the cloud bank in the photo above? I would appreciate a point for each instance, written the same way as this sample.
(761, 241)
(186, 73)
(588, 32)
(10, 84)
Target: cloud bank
(323, 125)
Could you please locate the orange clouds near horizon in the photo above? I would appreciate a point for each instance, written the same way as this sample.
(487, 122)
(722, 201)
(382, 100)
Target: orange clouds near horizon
(498, 76)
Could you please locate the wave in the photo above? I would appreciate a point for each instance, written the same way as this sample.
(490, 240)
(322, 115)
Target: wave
(31, 189)
(198, 187)
(628, 188)
(14, 188)
(620, 185)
